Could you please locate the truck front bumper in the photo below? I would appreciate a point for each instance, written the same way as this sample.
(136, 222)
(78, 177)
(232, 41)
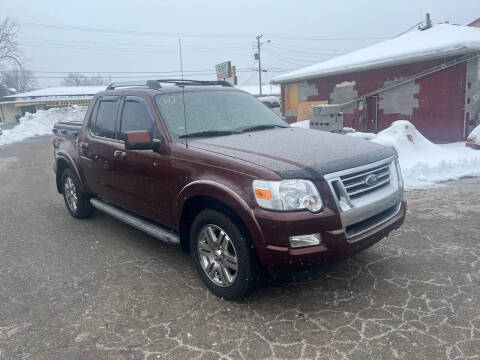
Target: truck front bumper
(335, 245)
(351, 221)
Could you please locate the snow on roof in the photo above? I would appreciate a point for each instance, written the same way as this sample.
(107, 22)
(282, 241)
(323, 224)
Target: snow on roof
(438, 41)
(60, 91)
(475, 23)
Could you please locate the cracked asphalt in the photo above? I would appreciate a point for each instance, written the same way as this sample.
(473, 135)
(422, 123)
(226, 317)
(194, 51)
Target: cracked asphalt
(99, 289)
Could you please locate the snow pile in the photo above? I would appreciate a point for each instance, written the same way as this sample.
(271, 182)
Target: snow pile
(275, 99)
(302, 124)
(424, 163)
(473, 139)
(361, 135)
(41, 123)
(439, 41)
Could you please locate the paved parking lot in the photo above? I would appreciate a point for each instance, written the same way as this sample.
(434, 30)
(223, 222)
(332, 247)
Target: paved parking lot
(98, 289)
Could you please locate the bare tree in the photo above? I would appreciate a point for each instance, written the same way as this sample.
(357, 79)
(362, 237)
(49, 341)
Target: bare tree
(11, 54)
(19, 79)
(10, 51)
(78, 79)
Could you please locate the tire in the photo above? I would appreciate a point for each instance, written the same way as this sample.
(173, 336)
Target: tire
(217, 257)
(77, 202)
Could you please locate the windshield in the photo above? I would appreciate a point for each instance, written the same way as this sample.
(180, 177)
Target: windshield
(220, 112)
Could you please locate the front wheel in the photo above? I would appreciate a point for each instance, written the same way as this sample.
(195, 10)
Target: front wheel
(223, 255)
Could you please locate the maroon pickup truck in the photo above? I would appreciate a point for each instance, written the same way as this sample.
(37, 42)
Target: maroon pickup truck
(210, 168)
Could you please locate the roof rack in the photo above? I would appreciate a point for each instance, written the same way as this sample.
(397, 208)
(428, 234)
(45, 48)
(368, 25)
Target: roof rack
(156, 84)
(183, 82)
(153, 84)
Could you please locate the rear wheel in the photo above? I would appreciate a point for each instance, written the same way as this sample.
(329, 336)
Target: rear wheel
(223, 255)
(77, 202)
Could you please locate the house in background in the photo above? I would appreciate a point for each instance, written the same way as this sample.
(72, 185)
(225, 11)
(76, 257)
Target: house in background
(13, 107)
(430, 77)
(475, 23)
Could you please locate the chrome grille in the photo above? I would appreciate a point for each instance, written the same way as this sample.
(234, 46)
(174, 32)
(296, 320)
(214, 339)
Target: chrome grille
(363, 182)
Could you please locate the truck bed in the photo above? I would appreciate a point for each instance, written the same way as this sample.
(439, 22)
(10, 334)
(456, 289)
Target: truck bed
(66, 131)
(68, 125)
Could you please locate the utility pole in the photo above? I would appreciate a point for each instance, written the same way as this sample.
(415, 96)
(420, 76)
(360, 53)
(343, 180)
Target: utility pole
(257, 57)
(259, 63)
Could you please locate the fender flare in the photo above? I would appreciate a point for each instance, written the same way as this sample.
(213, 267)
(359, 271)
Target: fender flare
(225, 195)
(64, 156)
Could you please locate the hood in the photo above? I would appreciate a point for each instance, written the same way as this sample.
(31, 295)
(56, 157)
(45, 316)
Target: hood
(297, 152)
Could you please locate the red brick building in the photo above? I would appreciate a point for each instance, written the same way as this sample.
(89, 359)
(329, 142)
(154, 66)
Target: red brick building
(475, 23)
(429, 77)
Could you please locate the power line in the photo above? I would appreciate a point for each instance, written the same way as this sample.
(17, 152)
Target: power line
(131, 32)
(306, 49)
(413, 27)
(133, 50)
(289, 60)
(301, 37)
(249, 78)
(215, 45)
(287, 57)
(192, 35)
(308, 52)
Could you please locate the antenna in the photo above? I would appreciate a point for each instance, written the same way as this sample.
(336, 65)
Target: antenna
(183, 93)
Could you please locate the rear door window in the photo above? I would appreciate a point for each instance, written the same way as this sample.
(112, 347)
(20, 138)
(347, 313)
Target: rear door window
(135, 116)
(105, 117)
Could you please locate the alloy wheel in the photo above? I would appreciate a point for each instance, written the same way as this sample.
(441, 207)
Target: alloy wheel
(71, 194)
(217, 255)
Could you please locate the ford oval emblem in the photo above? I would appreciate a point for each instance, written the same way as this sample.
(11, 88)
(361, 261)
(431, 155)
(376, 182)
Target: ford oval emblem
(371, 179)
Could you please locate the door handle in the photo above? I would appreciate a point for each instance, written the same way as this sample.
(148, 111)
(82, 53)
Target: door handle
(119, 154)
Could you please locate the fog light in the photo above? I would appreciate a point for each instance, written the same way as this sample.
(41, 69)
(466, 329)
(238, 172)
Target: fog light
(305, 240)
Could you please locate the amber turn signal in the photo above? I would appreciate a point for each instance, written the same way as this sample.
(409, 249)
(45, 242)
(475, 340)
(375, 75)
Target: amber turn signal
(263, 194)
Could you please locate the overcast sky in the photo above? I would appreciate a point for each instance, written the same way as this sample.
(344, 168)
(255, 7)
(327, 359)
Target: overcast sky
(142, 35)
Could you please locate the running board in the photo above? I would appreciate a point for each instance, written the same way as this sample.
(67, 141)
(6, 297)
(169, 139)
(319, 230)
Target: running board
(155, 230)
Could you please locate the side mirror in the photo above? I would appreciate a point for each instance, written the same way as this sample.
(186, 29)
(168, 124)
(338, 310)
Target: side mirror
(141, 140)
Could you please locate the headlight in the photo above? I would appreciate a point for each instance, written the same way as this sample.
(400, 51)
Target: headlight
(287, 195)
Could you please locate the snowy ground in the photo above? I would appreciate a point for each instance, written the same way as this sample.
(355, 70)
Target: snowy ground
(423, 163)
(41, 123)
(102, 290)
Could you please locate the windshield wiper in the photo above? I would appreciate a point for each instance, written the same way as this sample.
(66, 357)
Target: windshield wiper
(262, 127)
(208, 133)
